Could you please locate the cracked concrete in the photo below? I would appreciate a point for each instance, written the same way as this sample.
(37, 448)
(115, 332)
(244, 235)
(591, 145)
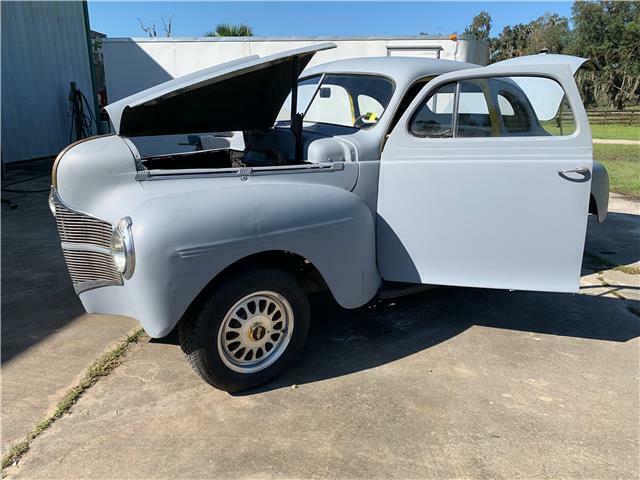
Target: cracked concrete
(484, 384)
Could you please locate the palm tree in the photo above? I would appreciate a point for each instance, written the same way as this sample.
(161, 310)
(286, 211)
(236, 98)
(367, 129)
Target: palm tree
(229, 30)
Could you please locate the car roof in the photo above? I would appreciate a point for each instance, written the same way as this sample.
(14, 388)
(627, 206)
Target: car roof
(400, 69)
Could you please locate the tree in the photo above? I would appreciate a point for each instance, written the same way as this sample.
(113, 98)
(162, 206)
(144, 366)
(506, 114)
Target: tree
(151, 29)
(512, 42)
(549, 32)
(609, 33)
(229, 30)
(606, 31)
(480, 27)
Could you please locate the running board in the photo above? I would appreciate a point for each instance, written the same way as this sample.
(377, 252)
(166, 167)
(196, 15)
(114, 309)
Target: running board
(399, 289)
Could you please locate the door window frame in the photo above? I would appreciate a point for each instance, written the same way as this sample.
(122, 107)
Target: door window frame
(491, 104)
(402, 108)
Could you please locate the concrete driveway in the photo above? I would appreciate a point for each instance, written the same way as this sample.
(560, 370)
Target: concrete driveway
(447, 383)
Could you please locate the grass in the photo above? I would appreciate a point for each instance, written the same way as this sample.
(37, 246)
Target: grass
(628, 269)
(606, 264)
(566, 127)
(623, 164)
(99, 368)
(618, 132)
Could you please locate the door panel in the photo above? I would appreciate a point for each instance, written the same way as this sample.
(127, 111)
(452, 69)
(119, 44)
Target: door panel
(490, 211)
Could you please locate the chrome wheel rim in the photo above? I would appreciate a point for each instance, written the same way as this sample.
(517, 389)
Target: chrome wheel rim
(255, 332)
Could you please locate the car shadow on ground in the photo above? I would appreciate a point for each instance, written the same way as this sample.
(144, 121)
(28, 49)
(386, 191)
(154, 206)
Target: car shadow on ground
(38, 299)
(612, 243)
(344, 342)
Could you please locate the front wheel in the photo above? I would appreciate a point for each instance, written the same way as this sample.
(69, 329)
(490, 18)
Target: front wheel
(247, 330)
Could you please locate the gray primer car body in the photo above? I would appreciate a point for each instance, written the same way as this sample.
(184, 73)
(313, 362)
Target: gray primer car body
(189, 225)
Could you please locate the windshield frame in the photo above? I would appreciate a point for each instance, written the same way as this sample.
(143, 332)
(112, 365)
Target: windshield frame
(323, 76)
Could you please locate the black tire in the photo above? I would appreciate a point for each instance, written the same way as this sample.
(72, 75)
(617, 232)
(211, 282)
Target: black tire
(198, 331)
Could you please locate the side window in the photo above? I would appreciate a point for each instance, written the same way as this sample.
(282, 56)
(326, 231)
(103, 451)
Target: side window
(496, 107)
(564, 122)
(533, 106)
(513, 113)
(474, 116)
(435, 117)
(406, 101)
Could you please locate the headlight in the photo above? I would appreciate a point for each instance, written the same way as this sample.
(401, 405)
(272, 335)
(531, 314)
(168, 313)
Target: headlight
(122, 251)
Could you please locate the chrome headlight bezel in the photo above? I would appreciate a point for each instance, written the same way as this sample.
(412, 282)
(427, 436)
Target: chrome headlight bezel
(122, 250)
(52, 203)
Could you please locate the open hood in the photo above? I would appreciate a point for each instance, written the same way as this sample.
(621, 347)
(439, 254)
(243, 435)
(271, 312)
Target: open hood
(575, 63)
(244, 94)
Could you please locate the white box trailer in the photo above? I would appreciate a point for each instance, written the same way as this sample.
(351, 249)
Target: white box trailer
(133, 64)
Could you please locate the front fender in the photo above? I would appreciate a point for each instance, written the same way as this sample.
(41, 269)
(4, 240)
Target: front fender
(183, 241)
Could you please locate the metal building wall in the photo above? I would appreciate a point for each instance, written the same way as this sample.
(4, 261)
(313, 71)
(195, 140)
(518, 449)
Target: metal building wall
(44, 47)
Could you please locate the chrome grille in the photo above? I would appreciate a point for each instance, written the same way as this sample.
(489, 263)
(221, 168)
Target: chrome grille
(85, 245)
(89, 266)
(77, 228)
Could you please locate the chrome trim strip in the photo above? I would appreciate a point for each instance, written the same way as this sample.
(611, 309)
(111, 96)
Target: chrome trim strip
(137, 158)
(86, 286)
(54, 169)
(142, 175)
(241, 172)
(84, 247)
(55, 196)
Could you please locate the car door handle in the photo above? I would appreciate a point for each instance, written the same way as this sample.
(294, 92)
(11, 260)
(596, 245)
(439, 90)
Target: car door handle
(584, 171)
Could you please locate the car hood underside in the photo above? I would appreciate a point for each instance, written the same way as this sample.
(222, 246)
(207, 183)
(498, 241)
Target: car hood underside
(244, 94)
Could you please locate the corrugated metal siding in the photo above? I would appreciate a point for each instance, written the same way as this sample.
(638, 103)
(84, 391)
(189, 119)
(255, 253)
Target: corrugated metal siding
(44, 47)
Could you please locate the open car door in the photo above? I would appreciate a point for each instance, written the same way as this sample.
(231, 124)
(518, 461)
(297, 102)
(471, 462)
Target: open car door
(485, 181)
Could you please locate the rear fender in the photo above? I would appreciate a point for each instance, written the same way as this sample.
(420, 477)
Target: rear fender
(599, 202)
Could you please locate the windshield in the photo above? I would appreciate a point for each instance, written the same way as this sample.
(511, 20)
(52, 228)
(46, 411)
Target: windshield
(347, 100)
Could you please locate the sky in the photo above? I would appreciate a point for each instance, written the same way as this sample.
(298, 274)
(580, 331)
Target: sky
(193, 19)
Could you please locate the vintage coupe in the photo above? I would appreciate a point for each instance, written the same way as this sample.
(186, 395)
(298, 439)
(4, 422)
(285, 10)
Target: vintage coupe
(350, 176)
